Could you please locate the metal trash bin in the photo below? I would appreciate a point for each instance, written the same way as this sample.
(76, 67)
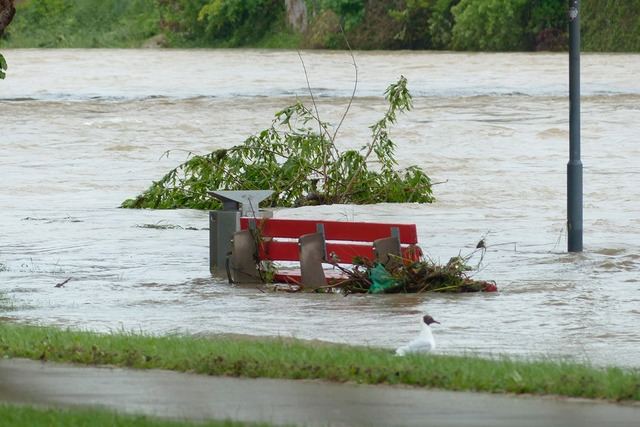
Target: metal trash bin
(224, 223)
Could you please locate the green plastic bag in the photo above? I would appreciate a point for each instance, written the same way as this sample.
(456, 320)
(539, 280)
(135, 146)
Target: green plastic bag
(381, 280)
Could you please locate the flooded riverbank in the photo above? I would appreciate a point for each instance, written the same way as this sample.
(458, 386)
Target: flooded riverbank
(85, 129)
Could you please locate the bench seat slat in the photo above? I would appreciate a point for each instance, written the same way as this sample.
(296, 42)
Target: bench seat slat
(277, 250)
(334, 230)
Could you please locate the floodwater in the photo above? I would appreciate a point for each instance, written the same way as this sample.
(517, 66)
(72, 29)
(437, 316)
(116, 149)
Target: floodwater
(81, 130)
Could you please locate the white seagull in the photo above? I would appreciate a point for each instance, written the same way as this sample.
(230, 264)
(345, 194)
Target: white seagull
(424, 342)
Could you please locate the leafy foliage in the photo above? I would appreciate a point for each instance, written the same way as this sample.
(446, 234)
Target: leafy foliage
(350, 11)
(494, 25)
(240, 22)
(83, 23)
(179, 20)
(426, 24)
(441, 23)
(298, 159)
(219, 22)
(611, 25)
(413, 17)
(498, 25)
(547, 24)
(546, 14)
(377, 29)
(607, 25)
(3, 67)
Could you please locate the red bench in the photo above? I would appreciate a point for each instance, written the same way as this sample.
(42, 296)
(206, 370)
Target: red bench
(313, 243)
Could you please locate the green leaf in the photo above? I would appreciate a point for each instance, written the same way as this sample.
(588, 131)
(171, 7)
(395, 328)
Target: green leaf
(3, 67)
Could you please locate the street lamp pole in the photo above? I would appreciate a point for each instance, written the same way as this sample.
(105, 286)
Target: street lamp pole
(574, 167)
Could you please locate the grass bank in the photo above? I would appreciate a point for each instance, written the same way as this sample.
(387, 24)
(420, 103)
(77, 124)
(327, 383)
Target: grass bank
(294, 359)
(24, 416)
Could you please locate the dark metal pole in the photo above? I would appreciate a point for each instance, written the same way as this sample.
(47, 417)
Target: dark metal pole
(574, 167)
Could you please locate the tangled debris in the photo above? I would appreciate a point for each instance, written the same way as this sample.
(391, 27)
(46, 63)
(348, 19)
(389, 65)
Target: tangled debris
(399, 276)
(406, 276)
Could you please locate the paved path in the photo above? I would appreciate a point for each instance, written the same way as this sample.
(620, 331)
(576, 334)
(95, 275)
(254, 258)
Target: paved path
(177, 395)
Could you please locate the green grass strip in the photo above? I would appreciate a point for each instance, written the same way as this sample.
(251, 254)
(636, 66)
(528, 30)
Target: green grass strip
(295, 359)
(25, 416)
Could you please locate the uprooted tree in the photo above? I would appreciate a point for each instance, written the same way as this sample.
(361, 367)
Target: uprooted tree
(297, 157)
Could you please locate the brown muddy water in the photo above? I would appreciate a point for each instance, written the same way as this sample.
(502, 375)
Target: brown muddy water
(84, 129)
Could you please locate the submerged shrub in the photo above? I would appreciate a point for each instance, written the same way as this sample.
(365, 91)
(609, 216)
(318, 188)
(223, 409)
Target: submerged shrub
(298, 159)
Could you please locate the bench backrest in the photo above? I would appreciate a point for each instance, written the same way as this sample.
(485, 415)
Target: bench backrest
(344, 240)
